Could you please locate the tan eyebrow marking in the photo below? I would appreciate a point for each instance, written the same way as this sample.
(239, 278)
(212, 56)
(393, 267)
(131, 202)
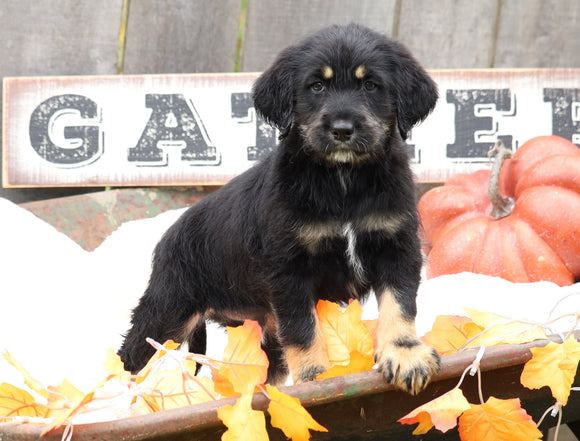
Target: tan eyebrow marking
(327, 72)
(360, 72)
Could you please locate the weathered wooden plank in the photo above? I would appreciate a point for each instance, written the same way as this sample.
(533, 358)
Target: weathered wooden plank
(69, 37)
(202, 129)
(181, 36)
(272, 26)
(538, 33)
(448, 34)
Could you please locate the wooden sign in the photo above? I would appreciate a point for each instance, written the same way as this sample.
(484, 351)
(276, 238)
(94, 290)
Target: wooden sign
(202, 129)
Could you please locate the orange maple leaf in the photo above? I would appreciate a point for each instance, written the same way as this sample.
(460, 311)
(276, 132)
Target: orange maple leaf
(169, 389)
(450, 332)
(36, 386)
(357, 363)
(65, 392)
(243, 423)
(501, 329)
(115, 366)
(66, 415)
(245, 364)
(18, 402)
(497, 420)
(554, 365)
(344, 332)
(371, 325)
(58, 399)
(288, 414)
(169, 345)
(442, 412)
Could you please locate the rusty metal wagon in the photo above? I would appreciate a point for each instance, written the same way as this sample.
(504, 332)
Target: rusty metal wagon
(356, 406)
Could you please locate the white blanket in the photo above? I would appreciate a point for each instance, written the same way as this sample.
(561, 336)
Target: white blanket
(62, 308)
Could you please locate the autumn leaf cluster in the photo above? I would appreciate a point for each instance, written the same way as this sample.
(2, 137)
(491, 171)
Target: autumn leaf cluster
(553, 365)
(168, 381)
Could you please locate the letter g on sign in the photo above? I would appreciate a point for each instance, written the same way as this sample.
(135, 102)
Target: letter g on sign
(55, 139)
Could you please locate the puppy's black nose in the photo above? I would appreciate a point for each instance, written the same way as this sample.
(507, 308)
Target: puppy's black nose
(342, 130)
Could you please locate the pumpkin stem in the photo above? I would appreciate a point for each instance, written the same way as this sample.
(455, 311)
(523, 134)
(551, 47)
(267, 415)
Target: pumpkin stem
(502, 207)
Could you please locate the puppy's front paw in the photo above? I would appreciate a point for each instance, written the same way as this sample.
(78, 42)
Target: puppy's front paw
(408, 364)
(309, 373)
(307, 364)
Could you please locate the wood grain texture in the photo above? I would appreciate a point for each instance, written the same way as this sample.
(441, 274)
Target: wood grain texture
(181, 36)
(81, 37)
(69, 37)
(39, 39)
(272, 26)
(447, 34)
(538, 33)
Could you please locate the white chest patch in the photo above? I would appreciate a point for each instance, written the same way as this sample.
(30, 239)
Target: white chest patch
(352, 257)
(311, 235)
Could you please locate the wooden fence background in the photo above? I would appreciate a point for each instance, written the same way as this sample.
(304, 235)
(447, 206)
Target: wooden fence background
(101, 37)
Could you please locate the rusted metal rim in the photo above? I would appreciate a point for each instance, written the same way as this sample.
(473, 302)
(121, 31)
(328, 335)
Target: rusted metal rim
(204, 416)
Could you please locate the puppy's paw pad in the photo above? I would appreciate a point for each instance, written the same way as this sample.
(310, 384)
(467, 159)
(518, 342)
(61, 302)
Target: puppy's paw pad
(309, 373)
(408, 366)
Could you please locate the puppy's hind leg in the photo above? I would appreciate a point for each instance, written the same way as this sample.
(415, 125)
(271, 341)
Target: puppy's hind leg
(158, 318)
(277, 368)
(197, 337)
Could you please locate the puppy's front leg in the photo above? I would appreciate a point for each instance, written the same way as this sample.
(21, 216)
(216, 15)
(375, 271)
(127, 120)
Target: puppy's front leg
(298, 327)
(306, 352)
(403, 359)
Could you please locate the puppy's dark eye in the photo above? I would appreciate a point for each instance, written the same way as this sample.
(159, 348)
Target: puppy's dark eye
(317, 87)
(369, 85)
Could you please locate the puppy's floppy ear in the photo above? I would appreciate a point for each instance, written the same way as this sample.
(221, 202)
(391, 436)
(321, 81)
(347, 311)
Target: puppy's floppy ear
(416, 91)
(273, 91)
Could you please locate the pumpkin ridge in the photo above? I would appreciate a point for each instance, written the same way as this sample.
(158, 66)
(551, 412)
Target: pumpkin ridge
(538, 240)
(519, 251)
(480, 248)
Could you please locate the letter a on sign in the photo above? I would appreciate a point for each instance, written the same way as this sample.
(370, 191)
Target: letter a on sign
(173, 123)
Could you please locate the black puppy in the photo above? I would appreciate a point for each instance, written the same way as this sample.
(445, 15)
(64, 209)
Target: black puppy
(330, 214)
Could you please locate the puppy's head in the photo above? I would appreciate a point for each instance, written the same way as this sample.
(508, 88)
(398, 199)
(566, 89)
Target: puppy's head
(347, 89)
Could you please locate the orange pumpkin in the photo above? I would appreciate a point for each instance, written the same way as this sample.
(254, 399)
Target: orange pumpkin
(534, 232)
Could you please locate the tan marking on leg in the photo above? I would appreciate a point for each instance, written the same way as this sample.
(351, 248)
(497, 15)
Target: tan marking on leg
(306, 364)
(189, 327)
(360, 72)
(327, 72)
(403, 359)
(391, 324)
